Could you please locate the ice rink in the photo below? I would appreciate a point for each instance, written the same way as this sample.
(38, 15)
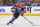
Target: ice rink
(20, 22)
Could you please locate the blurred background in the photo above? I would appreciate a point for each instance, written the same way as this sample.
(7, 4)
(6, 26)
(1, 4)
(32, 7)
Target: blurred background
(26, 2)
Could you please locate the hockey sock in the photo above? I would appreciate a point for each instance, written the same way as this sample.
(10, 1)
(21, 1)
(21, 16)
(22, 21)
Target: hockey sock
(12, 20)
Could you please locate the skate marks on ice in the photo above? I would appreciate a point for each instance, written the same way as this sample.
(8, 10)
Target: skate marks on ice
(20, 22)
(16, 25)
(34, 19)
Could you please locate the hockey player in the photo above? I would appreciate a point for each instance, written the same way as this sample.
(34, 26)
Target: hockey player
(18, 9)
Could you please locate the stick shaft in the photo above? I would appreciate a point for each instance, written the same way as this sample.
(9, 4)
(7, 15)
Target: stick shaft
(27, 20)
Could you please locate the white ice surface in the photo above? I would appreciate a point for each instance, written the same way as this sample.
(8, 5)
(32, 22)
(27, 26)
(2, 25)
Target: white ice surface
(20, 22)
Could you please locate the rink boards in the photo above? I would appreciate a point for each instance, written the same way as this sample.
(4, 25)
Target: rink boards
(6, 10)
(10, 14)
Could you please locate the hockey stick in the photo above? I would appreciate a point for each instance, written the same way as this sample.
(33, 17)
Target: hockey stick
(28, 21)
